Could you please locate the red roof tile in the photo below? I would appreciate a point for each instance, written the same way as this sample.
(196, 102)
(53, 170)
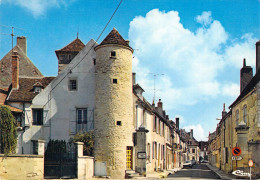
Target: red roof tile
(25, 92)
(75, 46)
(114, 38)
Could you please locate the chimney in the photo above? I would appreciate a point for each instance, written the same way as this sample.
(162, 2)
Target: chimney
(133, 78)
(159, 104)
(127, 41)
(257, 48)
(177, 121)
(191, 133)
(21, 42)
(224, 110)
(246, 74)
(15, 71)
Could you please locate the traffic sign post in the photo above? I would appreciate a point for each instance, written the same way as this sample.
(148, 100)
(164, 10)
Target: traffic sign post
(236, 151)
(250, 163)
(237, 158)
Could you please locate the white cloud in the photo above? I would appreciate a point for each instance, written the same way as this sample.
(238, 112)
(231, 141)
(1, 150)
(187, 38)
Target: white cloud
(198, 132)
(191, 61)
(37, 7)
(189, 57)
(245, 48)
(231, 90)
(194, 63)
(205, 18)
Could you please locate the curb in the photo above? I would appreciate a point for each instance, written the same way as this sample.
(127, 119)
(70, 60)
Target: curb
(217, 173)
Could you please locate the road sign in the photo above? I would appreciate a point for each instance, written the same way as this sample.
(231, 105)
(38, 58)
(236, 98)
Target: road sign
(250, 163)
(236, 151)
(237, 158)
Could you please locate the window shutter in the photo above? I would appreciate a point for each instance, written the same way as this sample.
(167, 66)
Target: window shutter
(45, 117)
(90, 120)
(72, 124)
(27, 118)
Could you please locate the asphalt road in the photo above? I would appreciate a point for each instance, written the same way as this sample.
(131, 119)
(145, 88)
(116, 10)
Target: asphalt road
(198, 171)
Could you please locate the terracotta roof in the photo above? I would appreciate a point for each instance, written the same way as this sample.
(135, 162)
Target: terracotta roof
(3, 95)
(26, 68)
(25, 92)
(249, 87)
(114, 38)
(75, 46)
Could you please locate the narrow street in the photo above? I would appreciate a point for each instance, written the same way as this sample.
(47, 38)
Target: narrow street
(198, 171)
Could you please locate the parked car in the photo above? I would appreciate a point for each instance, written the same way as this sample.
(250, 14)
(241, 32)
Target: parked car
(187, 164)
(193, 162)
(204, 161)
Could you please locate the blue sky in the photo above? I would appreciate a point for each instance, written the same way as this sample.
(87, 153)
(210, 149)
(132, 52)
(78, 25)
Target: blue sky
(198, 45)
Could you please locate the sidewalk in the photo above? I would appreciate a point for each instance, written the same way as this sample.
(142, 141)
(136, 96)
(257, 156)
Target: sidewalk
(162, 174)
(220, 173)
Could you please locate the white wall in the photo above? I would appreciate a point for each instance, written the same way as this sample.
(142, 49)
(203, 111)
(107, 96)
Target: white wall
(59, 104)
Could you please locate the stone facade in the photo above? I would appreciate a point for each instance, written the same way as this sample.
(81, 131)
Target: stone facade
(240, 127)
(113, 105)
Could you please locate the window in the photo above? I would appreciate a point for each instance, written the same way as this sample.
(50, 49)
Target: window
(82, 119)
(154, 123)
(37, 89)
(193, 150)
(37, 116)
(82, 116)
(245, 114)
(114, 81)
(237, 117)
(35, 147)
(73, 85)
(119, 123)
(144, 118)
(113, 54)
(148, 152)
(155, 150)
(163, 129)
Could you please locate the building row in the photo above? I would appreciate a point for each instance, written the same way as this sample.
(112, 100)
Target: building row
(237, 136)
(95, 90)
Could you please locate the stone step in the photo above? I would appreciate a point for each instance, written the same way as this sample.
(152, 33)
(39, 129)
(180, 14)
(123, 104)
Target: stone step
(131, 174)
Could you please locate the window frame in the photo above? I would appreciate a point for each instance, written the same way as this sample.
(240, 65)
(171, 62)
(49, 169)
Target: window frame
(83, 120)
(35, 119)
(35, 149)
(113, 54)
(73, 87)
(245, 113)
(237, 117)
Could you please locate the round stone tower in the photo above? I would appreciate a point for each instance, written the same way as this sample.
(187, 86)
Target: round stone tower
(114, 105)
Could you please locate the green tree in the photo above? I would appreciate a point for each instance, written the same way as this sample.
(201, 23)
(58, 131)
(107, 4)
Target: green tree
(88, 139)
(8, 135)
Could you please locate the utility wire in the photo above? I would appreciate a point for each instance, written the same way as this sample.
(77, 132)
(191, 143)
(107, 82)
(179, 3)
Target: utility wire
(87, 52)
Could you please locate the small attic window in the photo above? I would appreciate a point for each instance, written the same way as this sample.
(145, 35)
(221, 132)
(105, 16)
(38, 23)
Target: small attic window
(113, 54)
(114, 81)
(37, 89)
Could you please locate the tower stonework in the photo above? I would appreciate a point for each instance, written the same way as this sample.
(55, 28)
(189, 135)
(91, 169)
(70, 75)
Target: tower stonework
(114, 105)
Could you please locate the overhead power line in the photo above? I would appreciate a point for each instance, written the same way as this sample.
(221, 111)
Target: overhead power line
(88, 50)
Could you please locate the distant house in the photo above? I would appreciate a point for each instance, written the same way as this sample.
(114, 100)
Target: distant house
(192, 143)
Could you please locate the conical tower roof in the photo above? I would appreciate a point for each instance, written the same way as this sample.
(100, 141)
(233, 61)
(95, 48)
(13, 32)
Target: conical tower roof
(114, 38)
(75, 46)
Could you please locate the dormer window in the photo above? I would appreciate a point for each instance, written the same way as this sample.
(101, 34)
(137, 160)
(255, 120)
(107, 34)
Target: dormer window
(37, 87)
(113, 54)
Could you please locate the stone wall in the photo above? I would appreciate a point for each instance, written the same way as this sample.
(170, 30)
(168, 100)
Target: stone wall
(22, 167)
(114, 104)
